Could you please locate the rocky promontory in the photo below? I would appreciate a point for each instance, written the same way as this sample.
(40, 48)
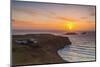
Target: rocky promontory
(37, 49)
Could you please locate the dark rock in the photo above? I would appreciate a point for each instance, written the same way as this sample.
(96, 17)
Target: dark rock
(83, 33)
(71, 33)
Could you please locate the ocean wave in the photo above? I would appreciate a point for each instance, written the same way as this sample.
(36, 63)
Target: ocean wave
(82, 49)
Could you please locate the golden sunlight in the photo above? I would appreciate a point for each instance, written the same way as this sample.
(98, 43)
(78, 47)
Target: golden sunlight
(70, 25)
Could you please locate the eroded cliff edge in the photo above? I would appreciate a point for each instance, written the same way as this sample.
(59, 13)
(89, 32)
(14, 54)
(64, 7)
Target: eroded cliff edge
(43, 49)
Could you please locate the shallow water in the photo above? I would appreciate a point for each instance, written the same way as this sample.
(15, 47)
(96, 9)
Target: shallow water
(82, 48)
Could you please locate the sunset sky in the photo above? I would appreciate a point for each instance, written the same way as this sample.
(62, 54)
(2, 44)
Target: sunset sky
(58, 17)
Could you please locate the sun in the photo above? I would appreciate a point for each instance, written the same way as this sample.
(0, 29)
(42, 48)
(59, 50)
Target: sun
(70, 25)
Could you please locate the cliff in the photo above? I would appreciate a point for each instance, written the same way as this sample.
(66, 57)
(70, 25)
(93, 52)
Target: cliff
(44, 51)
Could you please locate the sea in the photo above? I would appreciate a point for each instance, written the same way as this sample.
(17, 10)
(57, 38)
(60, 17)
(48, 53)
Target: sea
(83, 47)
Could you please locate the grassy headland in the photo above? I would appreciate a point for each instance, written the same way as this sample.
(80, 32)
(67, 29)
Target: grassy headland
(44, 52)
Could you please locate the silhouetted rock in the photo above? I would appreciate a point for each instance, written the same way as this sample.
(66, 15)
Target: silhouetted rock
(83, 33)
(71, 33)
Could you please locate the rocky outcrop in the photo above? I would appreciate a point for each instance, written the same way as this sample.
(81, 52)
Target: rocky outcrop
(44, 51)
(71, 33)
(84, 33)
